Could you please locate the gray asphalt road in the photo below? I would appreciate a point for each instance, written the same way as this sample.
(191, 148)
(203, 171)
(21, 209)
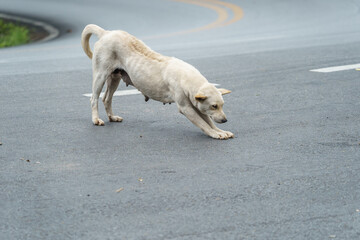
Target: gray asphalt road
(292, 172)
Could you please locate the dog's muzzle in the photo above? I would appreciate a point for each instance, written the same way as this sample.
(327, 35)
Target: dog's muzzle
(220, 120)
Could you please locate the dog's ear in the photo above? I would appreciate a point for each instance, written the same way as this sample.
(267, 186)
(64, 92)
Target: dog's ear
(200, 97)
(224, 91)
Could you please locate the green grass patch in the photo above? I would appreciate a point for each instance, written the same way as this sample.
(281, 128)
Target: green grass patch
(12, 34)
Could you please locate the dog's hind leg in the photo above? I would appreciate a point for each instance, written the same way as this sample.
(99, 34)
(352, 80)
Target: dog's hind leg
(112, 84)
(98, 83)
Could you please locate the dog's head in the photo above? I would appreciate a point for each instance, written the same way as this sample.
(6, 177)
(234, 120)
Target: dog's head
(209, 101)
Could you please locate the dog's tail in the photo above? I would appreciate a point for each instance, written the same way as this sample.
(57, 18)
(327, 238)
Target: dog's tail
(86, 34)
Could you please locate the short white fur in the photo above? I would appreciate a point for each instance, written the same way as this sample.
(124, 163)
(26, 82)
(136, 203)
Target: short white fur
(118, 55)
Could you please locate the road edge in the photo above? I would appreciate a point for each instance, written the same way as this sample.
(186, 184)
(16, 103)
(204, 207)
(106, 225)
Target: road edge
(51, 30)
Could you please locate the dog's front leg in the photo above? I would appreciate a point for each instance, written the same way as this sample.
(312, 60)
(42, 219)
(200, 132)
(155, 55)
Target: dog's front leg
(208, 120)
(197, 120)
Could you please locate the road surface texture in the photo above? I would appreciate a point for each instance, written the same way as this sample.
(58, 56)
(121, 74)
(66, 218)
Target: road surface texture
(291, 172)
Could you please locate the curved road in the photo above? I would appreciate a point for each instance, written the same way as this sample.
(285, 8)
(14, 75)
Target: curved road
(292, 171)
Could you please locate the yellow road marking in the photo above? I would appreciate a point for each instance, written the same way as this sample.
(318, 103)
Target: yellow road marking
(237, 11)
(222, 15)
(219, 7)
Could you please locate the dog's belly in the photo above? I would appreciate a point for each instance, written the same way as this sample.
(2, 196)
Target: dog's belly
(148, 79)
(155, 91)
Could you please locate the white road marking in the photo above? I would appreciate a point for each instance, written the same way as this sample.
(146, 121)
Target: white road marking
(336, 68)
(126, 92)
(118, 93)
(53, 32)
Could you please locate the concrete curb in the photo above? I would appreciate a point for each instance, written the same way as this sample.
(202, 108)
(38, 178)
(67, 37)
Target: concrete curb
(52, 31)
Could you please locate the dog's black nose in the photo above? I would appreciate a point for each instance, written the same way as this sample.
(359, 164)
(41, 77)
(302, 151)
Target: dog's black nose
(224, 120)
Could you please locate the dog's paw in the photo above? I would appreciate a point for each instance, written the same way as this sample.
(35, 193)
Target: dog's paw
(219, 135)
(229, 134)
(98, 122)
(115, 119)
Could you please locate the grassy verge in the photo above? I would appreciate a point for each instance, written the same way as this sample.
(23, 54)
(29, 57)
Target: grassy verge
(12, 34)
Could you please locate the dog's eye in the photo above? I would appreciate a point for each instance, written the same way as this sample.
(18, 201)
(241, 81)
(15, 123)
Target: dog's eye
(214, 106)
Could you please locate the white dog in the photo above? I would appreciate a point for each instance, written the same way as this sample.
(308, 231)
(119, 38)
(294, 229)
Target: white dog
(119, 55)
